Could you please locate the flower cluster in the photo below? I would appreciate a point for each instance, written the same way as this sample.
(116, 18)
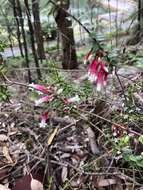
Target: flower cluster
(48, 94)
(47, 97)
(97, 72)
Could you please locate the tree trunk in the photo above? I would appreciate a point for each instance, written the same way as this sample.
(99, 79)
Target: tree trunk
(31, 30)
(38, 29)
(68, 44)
(137, 36)
(140, 15)
(21, 21)
(15, 13)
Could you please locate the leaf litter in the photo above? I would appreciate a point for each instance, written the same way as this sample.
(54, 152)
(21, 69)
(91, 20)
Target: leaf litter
(72, 152)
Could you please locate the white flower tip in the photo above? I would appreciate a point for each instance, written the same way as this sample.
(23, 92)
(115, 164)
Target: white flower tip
(42, 124)
(92, 77)
(31, 85)
(114, 134)
(106, 69)
(90, 57)
(74, 99)
(77, 98)
(99, 86)
(37, 102)
(104, 83)
(114, 72)
(99, 59)
(60, 91)
(84, 62)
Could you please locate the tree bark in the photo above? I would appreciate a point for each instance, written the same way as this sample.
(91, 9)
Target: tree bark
(15, 13)
(31, 30)
(38, 29)
(137, 36)
(140, 15)
(21, 21)
(69, 60)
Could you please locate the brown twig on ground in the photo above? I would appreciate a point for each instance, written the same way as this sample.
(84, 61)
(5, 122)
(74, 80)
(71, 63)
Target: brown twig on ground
(113, 123)
(92, 141)
(12, 82)
(122, 87)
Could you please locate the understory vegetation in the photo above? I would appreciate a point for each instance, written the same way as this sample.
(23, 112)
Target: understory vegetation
(71, 95)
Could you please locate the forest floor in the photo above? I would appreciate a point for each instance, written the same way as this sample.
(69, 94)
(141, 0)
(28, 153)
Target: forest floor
(81, 139)
(92, 143)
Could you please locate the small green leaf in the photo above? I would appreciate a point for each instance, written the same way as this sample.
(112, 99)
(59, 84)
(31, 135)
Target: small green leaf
(141, 139)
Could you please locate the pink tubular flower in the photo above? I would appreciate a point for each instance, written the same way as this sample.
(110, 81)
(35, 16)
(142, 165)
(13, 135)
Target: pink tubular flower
(66, 109)
(98, 73)
(105, 76)
(43, 99)
(40, 88)
(44, 118)
(88, 56)
(72, 100)
(92, 72)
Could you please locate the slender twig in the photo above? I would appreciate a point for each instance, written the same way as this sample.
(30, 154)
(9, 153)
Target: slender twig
(122, 87)
(12, 82)
(113, 123)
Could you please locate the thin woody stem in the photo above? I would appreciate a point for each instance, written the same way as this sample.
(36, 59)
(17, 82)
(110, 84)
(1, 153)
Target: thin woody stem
(123, 91)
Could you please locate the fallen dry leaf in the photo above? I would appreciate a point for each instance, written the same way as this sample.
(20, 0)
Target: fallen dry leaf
(3, 138)
(64, 173)
(2, 187)
(106, 182)
(36, 185)
(50, 140)
(92, 141)
(24, 183)
(6, 154)
(3, 173)
(138, 97)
